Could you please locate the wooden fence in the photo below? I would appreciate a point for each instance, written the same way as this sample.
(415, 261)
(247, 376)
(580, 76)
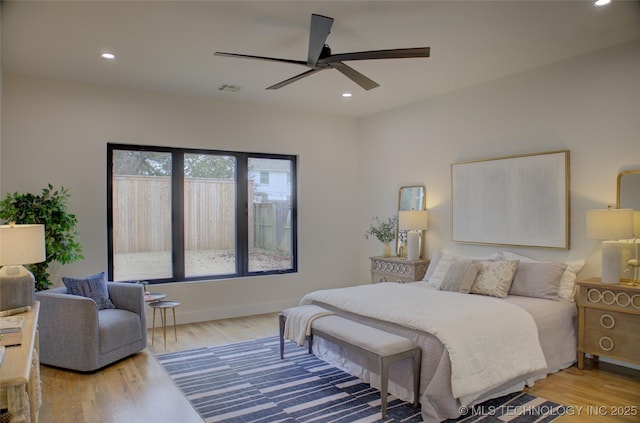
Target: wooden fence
(142, 216)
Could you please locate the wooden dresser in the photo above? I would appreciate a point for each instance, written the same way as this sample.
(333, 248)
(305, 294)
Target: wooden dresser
(397, 269)
(608, 321)
(20, 373)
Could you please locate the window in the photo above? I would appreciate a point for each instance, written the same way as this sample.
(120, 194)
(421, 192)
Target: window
(181, 214)
(264, 178)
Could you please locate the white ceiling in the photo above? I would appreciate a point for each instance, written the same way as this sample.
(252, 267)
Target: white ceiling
(169, 46)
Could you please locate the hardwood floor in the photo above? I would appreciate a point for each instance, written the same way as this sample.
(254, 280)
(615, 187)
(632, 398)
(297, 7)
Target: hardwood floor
(138, 390)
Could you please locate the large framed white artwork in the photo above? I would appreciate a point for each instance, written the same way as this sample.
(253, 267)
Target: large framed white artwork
(516, 200)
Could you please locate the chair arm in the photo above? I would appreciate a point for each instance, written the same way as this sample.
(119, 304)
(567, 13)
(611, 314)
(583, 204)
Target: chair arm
(127, 296)
(64, 319)
(130, 296)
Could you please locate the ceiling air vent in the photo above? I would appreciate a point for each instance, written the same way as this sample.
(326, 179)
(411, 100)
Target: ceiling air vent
(229, 88)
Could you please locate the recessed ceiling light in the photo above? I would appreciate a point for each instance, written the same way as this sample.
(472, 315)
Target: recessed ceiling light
(108, 56)
(347, 94)
(601, 2)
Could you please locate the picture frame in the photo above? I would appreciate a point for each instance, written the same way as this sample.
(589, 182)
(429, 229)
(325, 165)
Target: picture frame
(519, 201)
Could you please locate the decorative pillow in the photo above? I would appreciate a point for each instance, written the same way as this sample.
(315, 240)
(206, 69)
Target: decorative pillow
(538, 280)
(567, 288)
(495, 277)
(459, 276)
(435, 280)
(439, 264)
(93, 287)
(435, 258)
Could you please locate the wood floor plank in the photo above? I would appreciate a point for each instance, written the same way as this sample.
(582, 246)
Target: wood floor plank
(137, 389)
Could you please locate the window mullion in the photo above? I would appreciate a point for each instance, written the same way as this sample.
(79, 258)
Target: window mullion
(242, 216)
(177, 215)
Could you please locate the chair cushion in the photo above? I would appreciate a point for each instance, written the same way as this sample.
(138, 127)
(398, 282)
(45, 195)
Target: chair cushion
(93, 287)
(117, 328)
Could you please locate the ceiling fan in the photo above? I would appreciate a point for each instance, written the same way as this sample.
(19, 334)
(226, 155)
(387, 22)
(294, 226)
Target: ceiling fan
(320, 57)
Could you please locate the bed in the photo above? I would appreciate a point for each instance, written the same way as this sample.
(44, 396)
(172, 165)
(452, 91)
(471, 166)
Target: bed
(475, 346)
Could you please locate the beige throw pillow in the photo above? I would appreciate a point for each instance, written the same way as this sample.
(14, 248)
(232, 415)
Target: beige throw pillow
(495, 278)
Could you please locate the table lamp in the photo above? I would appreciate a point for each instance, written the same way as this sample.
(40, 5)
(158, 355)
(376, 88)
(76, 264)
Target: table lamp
(19, 244)
(414, 222)
(610, 225)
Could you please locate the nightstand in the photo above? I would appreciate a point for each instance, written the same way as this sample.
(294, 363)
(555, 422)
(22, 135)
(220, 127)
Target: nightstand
(397, 269)
(608, 321)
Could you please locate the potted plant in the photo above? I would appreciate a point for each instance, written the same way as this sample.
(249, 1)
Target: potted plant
(60, 233)
(384, 231)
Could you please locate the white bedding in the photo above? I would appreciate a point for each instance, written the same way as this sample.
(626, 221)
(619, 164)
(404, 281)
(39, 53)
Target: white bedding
(489, 341)
(555, 322)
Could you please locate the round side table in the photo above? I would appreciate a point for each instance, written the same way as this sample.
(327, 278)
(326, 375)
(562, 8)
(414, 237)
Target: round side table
(150, 297)
(163, 306)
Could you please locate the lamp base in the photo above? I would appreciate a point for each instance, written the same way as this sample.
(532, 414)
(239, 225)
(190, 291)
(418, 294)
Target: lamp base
(17, 286)
(413, 245)
(611, 257)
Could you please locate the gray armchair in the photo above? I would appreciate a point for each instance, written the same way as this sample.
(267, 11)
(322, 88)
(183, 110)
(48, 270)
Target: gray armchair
(75, 335)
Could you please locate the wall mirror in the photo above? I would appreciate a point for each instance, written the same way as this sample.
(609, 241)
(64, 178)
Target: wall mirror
(628, 195)
(413, 197)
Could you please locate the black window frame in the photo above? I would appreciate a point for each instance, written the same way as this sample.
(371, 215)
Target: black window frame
(177, 211)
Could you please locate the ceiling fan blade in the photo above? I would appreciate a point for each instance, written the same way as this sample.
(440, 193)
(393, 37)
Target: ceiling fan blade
(398, 53)
(293, 79)
(320, 29)
(269, 59)
(355, 76)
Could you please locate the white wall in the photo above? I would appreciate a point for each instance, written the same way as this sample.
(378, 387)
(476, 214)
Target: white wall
(56, 132)
(589, 105)
(349, 171)
(1, 83)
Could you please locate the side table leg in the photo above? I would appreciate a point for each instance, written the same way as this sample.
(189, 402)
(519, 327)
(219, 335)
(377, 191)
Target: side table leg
(164, 326)
(153, 327)
(580, 360)
(175, 331)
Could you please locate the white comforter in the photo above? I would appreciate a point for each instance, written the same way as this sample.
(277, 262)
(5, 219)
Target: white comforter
(489, 342)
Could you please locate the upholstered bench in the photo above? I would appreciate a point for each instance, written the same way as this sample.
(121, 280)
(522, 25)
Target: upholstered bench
(383, 346)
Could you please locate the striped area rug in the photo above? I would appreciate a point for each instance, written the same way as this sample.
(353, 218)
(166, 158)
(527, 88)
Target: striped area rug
(248, 382)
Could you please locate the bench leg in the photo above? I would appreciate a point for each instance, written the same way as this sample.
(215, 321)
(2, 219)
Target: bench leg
(417, 364)
(282, 319)
(384, 383)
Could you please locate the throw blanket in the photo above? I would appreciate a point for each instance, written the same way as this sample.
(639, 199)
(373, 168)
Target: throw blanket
(489, 342)
(298, 324)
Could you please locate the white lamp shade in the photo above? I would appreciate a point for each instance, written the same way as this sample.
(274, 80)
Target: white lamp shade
(21, 244)
(413, 220)
(610, 224)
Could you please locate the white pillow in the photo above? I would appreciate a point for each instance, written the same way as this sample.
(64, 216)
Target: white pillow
(567, 288)
(435, 259)
(440, 270)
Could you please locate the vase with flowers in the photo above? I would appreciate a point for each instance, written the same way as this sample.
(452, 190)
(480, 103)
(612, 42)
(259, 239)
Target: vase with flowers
(384, 231)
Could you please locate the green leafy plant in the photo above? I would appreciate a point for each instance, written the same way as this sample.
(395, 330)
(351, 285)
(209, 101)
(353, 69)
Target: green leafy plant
(383, 230)
(50, 209)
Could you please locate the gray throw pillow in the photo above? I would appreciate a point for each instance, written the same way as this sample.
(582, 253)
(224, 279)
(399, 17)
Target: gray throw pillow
(459, 276)
(538, 280)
